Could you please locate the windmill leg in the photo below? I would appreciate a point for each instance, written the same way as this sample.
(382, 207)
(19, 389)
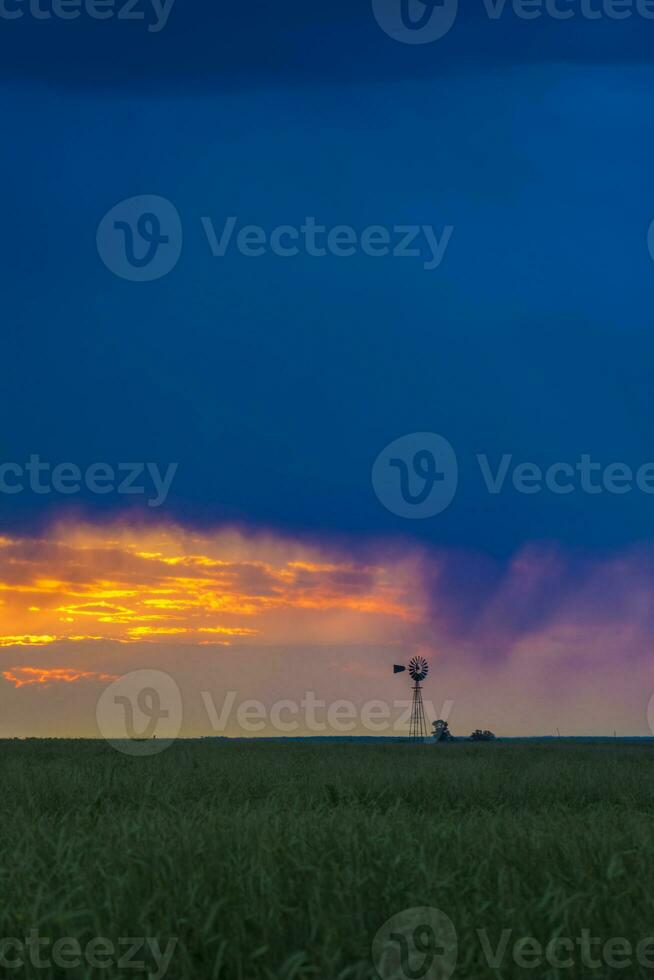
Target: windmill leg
(418, 722)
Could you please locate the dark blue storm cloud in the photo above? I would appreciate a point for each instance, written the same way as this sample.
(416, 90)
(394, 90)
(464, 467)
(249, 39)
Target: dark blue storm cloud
(146, 43)
(275, 381)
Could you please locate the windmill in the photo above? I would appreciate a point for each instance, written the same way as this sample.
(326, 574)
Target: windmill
(418, 669)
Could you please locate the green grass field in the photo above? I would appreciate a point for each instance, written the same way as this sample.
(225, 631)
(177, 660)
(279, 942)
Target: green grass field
(282, 860)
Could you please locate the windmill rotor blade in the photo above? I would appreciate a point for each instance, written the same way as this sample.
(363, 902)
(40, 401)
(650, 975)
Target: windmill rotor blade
(418, 668)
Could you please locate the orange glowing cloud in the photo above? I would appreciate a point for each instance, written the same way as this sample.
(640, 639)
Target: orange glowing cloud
(539, 641)
(24, 676)
(134, 584)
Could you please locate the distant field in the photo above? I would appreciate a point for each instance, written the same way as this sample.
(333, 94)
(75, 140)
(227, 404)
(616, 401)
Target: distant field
(282, 860)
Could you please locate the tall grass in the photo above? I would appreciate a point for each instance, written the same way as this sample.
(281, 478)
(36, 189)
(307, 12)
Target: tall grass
(282, 860)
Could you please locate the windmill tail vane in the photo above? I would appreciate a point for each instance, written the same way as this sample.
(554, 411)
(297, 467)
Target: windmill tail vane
(418, 669)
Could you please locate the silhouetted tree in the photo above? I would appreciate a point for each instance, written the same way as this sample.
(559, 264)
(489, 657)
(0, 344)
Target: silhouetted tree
(480, 735)
(442, 731)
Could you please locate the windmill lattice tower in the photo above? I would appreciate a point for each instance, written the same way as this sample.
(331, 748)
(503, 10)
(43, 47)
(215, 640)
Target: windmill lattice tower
(418, 670)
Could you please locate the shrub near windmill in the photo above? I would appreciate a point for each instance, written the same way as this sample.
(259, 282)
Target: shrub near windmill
(418, 670)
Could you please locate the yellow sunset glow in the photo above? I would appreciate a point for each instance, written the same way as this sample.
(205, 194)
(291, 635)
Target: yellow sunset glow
(133, 584)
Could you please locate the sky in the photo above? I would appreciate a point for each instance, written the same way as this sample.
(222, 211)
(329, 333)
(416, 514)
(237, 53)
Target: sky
(238, 414)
